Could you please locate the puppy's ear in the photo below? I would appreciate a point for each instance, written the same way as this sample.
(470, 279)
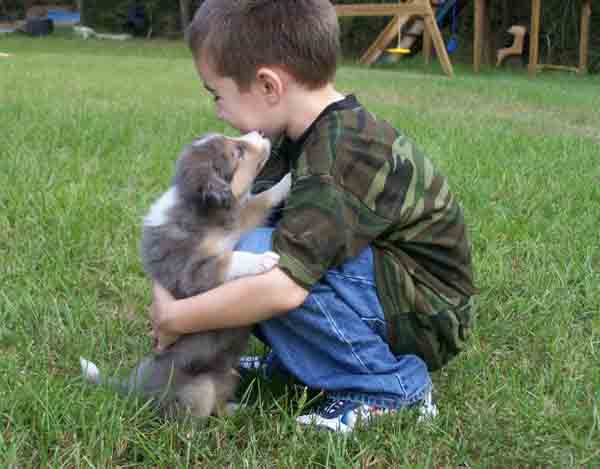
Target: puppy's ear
(216, 193)
(198, 183)
(199, 174)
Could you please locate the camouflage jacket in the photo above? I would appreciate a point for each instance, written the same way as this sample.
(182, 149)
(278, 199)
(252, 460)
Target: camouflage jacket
(356, 182)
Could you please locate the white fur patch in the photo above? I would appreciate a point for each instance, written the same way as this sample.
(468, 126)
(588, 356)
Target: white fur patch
(256, 139)
(253, 138)
(247, 263)
(89, 370)
(157, 215)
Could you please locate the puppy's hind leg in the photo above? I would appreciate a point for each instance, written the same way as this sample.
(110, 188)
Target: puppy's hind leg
(208, 394)
(197, 398)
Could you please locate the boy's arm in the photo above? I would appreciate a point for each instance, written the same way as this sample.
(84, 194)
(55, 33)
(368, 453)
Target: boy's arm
(241, 302)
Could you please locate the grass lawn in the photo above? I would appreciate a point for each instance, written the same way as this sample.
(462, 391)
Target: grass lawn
(88, 135)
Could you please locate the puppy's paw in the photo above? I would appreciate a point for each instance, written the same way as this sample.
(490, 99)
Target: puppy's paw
(231, 408)
(267, 261)
(247, 263)
(281, 190)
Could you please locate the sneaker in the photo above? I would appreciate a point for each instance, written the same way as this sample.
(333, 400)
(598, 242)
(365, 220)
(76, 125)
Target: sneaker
(250, 364)
(343, 416)
(264, 366)
(427, 409)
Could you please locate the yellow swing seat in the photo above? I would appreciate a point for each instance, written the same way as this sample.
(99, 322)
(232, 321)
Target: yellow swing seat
(398, 50)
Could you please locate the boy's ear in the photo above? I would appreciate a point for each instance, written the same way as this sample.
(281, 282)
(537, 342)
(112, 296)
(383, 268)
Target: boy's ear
(270, 84)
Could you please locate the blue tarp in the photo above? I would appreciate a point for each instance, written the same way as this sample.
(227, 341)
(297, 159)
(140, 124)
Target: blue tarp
(64, 17)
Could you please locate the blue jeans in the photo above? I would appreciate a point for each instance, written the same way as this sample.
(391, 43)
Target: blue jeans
(336, 341)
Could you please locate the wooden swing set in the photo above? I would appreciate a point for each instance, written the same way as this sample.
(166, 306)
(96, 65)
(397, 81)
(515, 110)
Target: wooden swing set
(481, 18)
(401, 13)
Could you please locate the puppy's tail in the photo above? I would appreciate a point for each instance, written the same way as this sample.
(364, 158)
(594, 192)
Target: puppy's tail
(90, 371)
(92, 374)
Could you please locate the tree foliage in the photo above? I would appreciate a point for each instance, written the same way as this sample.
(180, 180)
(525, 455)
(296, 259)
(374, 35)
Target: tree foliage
(560, 23)
(164, 16)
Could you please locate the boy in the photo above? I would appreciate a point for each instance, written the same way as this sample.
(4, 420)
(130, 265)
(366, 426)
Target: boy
(374, 282)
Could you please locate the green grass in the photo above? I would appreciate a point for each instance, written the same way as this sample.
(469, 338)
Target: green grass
(89, 133)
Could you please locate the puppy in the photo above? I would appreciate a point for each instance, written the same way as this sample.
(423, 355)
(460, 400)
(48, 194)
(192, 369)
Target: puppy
(187, 246)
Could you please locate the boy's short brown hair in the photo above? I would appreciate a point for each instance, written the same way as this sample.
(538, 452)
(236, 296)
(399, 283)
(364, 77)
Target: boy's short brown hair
(239, 36)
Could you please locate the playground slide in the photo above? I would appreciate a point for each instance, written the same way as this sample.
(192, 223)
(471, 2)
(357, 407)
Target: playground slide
(445, 15)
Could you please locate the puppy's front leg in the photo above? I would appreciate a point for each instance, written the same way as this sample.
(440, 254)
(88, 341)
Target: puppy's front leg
(247, 263)
(279, 192)
(257, 208)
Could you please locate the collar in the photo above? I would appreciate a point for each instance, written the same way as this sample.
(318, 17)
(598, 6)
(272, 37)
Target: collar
(293, 148)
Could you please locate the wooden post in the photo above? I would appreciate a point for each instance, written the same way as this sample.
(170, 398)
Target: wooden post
(438, 41)
(584, 39)
(426, 43)
(420, 8)
(480, 12)
(534, 43)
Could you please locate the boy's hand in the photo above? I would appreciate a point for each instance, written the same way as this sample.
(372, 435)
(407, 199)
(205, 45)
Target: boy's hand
(159, 315)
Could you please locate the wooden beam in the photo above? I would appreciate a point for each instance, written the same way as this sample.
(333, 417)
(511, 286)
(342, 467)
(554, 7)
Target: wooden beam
(584, 38)
(438, 42)
(378, 9)
(564, 68)
(420, 8)
(534, 43)
(427, 35)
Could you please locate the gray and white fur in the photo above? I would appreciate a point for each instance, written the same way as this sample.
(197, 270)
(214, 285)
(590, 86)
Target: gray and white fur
(187, 246)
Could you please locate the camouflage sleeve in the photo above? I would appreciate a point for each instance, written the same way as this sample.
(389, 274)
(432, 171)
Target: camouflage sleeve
(335, 207)
(308, 237)
(322, 227)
